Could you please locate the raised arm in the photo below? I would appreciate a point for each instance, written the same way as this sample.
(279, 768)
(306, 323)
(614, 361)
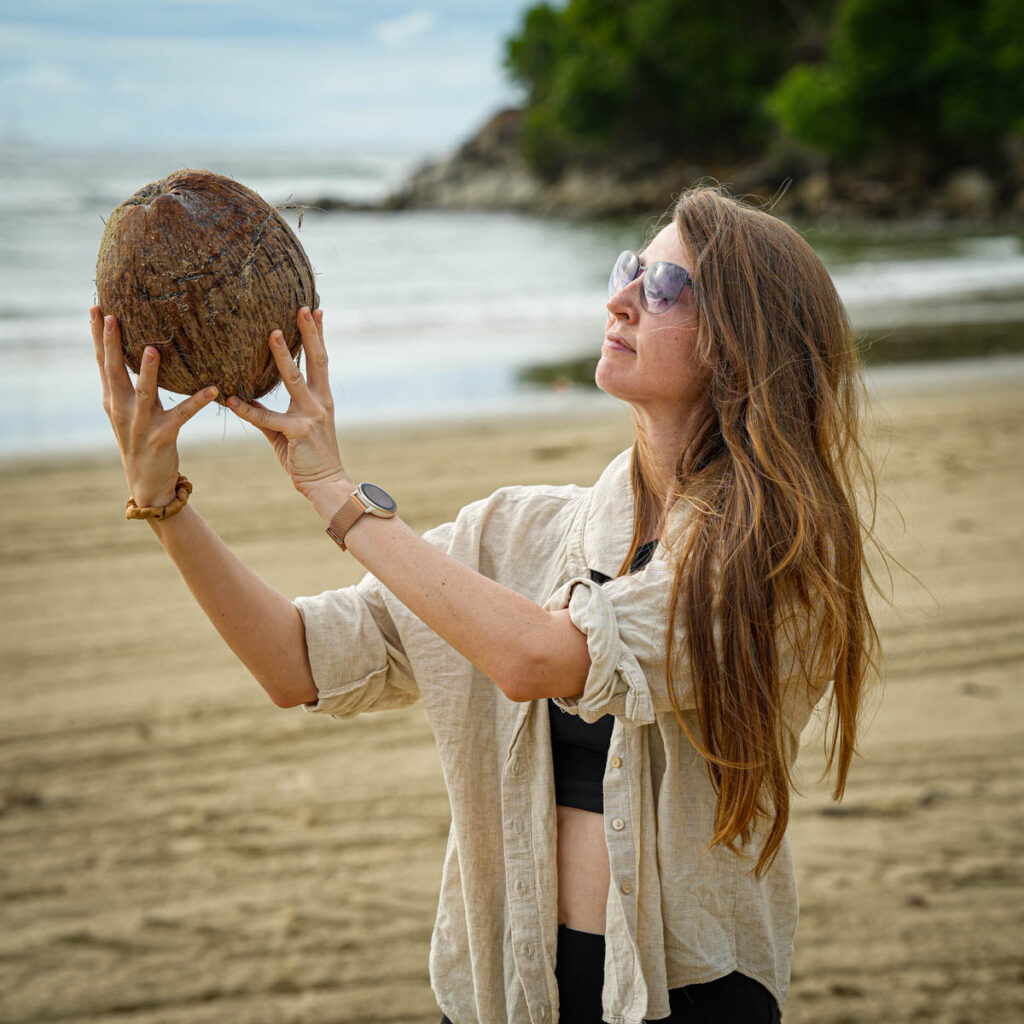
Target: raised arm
(528, 652)
(257, 622)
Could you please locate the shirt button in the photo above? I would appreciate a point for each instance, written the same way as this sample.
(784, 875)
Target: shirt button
(616, 762)
(626, 888)
(519, 887)
(618, 824)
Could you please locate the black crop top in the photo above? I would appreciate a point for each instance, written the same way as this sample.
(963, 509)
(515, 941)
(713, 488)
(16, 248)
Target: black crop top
(580, 749)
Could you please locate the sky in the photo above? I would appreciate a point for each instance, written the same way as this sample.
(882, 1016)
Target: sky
(134, 74)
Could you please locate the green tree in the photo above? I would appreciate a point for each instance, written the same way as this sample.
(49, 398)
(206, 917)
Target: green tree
(937, 76)
(652, 79)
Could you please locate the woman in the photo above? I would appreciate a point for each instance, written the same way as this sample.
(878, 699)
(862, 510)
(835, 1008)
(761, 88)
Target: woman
(616, 676)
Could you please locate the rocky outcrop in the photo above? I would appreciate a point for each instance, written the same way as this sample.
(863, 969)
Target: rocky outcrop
(488, 173)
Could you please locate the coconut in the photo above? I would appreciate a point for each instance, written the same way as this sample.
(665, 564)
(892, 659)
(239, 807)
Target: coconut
(203, 268)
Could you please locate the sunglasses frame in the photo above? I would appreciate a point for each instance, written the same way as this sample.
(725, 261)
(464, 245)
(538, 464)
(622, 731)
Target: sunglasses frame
(617, 283)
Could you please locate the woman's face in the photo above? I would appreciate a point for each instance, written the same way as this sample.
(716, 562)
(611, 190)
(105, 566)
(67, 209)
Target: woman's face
(649, 360)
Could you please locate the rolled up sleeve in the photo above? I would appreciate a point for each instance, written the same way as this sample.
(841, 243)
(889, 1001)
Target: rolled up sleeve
(355, 654)
(624, 622)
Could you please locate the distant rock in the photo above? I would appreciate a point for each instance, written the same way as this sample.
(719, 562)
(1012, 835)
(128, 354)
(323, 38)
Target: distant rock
(969, 192)
(488, 173)
(814, 193)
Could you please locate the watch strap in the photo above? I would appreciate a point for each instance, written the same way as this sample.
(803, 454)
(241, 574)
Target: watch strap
(342, 520)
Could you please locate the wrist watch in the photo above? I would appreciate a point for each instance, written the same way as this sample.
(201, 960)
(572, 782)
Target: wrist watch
(365, 499)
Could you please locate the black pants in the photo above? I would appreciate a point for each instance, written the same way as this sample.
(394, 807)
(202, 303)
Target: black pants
(734, 999)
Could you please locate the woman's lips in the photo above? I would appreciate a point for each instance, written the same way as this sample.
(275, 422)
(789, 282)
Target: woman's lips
(614, 342)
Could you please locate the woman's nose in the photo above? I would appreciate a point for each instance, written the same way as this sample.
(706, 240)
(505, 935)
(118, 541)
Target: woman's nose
(623, 302)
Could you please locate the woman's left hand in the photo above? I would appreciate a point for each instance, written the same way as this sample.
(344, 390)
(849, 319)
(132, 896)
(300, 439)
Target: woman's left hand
(304, 437)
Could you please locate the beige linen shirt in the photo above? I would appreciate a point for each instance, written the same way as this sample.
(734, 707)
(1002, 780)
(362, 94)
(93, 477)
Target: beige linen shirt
(678, 913)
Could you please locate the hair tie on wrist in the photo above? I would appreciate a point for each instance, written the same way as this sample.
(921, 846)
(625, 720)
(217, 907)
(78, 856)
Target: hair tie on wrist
(182, 489)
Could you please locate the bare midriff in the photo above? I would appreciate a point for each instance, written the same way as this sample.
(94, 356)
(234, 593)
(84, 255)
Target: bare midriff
(583, 871)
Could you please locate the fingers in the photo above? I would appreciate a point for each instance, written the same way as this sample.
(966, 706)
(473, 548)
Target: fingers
(271, 435)
(310, 401)
(145, 386)
(96, 326)
(121, 390)
(258, 415)
(184, 411)
(311, 332)
(291, 374)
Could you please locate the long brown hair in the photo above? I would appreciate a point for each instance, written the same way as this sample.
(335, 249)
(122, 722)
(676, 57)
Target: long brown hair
(774, 536)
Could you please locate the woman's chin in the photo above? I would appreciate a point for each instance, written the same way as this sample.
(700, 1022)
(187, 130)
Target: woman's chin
(601, 374)
(605, 379)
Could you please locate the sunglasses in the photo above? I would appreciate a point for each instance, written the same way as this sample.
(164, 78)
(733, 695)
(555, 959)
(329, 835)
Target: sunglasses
(663, 282)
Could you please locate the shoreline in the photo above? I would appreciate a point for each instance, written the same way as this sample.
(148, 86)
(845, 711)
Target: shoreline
(561, 408)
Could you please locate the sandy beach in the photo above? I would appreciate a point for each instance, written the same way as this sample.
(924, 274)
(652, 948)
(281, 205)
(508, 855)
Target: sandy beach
(175, 850)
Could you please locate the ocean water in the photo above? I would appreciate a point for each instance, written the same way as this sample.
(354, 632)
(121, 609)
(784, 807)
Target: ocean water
(427, 313)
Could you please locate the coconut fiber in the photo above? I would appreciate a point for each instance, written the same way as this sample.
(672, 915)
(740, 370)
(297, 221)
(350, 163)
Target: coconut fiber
(203, 268)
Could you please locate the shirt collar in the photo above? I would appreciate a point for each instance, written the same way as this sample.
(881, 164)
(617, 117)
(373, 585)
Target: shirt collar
(608, 528)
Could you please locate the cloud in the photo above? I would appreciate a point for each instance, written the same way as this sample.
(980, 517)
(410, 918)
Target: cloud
(361, 79)
(47, 78)
(399, 31)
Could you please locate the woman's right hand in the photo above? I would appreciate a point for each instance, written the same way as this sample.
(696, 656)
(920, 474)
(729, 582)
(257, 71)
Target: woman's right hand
(146, 433)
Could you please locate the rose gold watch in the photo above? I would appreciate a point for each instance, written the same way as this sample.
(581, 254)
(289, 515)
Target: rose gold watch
(366, 499)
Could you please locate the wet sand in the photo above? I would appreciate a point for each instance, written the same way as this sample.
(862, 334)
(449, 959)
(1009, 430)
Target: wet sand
(175, 849)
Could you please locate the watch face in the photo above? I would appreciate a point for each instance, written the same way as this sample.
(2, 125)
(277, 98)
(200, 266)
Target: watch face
(379, 497)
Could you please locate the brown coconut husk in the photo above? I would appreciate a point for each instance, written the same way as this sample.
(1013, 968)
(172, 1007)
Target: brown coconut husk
(203, 268)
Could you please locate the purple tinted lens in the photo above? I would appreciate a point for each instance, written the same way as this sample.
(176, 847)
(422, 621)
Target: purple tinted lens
(663, 284)
(627, 266)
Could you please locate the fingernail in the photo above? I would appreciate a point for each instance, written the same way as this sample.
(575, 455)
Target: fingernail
(210, 393)
(233, 402)
(150, 354)
(305, 314)
(108, 321)
(277, 337)
(94, 315)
